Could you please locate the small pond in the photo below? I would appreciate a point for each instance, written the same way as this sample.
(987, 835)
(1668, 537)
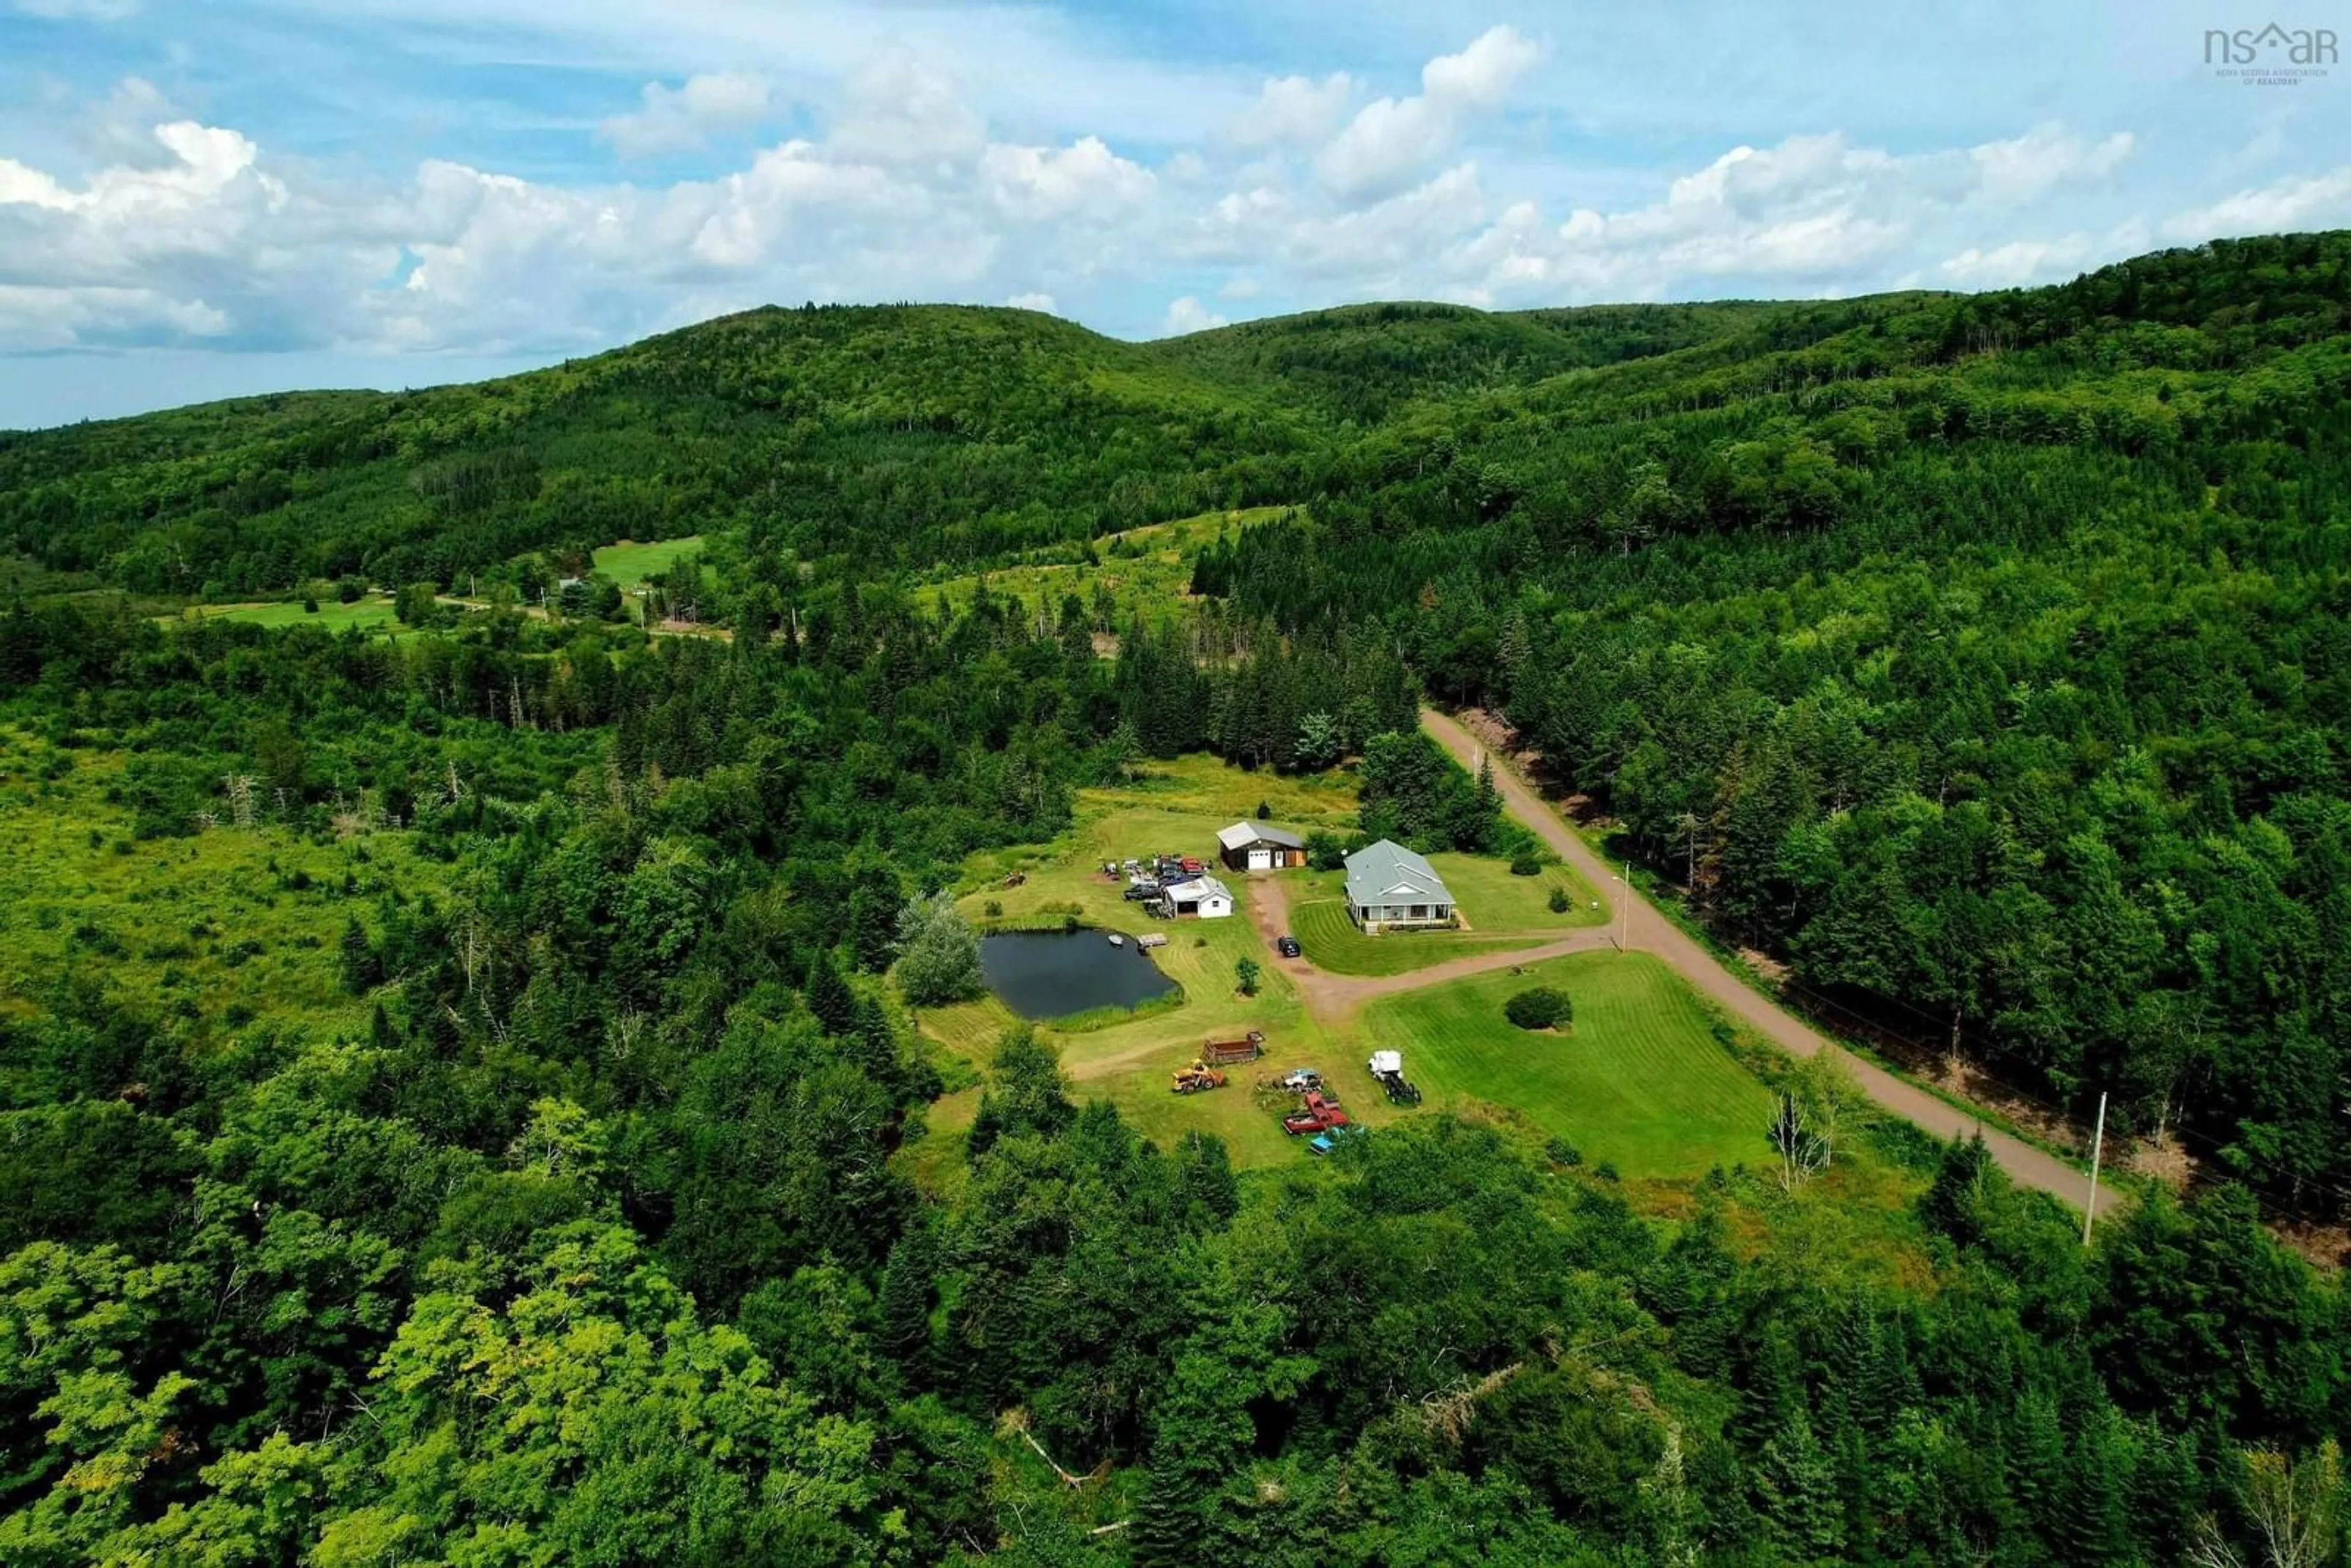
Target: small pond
(1050, 974)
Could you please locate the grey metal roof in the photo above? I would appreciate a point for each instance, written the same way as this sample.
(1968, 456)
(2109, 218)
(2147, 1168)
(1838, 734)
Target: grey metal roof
(1242, 834)
(1387, 873)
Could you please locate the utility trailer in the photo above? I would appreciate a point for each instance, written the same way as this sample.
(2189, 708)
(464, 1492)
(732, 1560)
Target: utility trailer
(1227, 1052)
(1388, 1072)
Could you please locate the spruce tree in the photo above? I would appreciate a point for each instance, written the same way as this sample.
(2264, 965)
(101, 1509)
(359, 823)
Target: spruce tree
(361, 970)
(828, 996)
(903, 1307)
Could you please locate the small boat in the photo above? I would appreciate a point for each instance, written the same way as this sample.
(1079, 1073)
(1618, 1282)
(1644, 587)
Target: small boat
(1116, 940)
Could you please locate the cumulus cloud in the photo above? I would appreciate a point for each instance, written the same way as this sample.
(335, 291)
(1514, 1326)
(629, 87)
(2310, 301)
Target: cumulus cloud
(1186, 314)
(1293, 110)
(1085, 179)
(1033, 302)
(677, 120)
(1814, 212)
(2043, 157)
(2297, 202)
(2017, 262)
(899, 111)
(1481, 75)
(1391, 142)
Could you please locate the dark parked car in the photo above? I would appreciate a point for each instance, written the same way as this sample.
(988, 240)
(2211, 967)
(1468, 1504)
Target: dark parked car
(1137, 893)
(1287, 947)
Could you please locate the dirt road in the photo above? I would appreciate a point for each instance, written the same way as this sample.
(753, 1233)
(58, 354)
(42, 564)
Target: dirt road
(1647, 931)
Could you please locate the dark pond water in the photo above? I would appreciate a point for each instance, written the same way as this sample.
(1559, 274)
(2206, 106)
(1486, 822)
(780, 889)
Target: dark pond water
(1049, 974)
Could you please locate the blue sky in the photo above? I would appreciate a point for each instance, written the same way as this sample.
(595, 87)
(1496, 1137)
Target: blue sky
(203, 200)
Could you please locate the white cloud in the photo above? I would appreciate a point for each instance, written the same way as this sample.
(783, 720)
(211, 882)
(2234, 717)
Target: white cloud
(1389, 140)
(677, 120)
(1086, 180)
(1034, 302)
(898, 110)
(38, 317)
(1481, 75)
(2019, 262)
(1393, 141)
(1295, 110)
(1186, 314)
(2043, 157)
(2297, 202)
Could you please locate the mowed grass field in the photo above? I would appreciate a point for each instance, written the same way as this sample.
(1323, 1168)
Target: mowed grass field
(1172, 808)
(1641, 1081)
(372, 614)
(1332, 942)
(629, 563)
(1504, 912)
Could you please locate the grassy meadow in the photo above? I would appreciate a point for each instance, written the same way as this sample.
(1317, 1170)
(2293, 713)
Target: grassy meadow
(1160, 568)
(1641, 1080)
(228, 924)
(372, 614)
(629, 563)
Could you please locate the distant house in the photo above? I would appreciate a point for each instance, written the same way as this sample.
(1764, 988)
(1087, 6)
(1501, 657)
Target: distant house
(1256, 846)
(1388, 888)
(1203, 895)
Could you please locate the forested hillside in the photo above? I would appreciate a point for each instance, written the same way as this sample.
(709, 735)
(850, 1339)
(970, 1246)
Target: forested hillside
(461, 1095)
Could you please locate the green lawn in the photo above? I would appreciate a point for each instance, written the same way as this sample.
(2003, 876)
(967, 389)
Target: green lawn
(1641, 1081)
(370, 613)
(1503, 911)
(1332, 942)
(1491, 899)
(629, 563)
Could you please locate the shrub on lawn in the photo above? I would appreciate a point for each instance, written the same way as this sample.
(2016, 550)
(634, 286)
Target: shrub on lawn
(1560, 1152)
(1539, 1007)
(1559, 900)
(1526, 863)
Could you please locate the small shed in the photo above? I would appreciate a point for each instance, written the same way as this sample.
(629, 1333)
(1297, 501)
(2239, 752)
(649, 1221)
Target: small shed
(1260, 846)
(1204, 896)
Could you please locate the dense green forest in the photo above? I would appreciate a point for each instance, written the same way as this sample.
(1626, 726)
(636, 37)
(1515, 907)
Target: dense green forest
(537, 1183)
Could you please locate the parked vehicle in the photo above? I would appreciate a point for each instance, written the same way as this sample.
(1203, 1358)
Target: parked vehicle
(1388, 1072)
(1287, 947)
(1302, 1079)
(1141, 891)
(1224, 1052)
(1192, 1080)
(1321, 1114)
(1320, 1143)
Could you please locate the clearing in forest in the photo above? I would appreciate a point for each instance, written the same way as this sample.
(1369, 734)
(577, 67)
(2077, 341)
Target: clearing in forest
(629, 563)
(1641, 1081)
(1695, 1106)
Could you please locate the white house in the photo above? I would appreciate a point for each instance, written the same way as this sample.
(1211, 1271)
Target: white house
(1388, 886)
(1203, 895)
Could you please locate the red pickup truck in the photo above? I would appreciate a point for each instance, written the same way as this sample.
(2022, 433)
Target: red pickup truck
(1321, 1114)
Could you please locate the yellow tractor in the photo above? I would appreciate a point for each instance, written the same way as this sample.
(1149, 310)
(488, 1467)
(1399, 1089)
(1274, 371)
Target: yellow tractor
(1198, 1076)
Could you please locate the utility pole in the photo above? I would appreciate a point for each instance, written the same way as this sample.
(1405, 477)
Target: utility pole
(2097, 1147)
